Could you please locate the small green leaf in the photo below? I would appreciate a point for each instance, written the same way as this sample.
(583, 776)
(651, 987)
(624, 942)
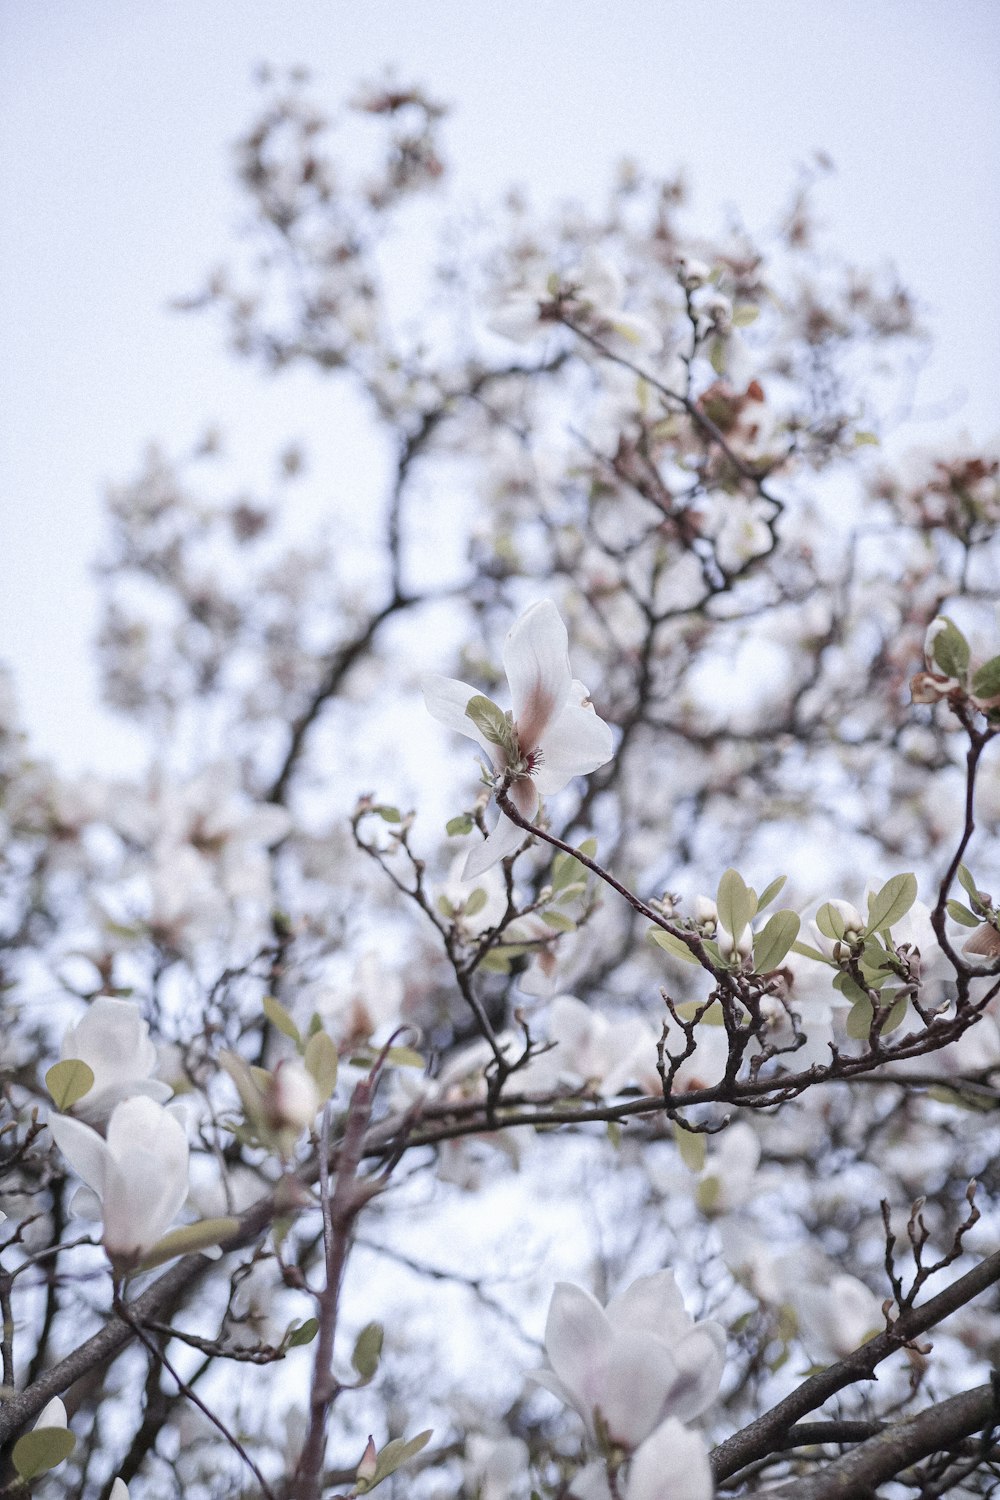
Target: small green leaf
(859, 1021)
(42, 1449)
(445, 907)
(495, 962)
(986, 682)
(303, 1334)
(962, 914)
(458, 827)
(392, 1457)
(830, 922)
(188, 1239)
(614, 1130)
(852, 991)
(863, 439)
(712, 1015)
(368, 1350)
(807, 952)
(672, 945)
(588, 848)
(717, 356)
(950, 650)
(769, 892)
(772, 944)
(735, 903)
(692, 1146)
(405, 1057)
(280, 1019)
(745, 313)
(321, 1063)
(891, 903)
(707, 1194)
(475, 903)
(492, 723)
(68, 1081)
(559, 921)
(389, 814)
(967, 883)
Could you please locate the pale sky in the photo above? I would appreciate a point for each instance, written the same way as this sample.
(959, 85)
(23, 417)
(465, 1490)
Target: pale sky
(116, 119)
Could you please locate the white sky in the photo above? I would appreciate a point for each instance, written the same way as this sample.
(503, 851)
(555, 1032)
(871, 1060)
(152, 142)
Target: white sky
(115, 123)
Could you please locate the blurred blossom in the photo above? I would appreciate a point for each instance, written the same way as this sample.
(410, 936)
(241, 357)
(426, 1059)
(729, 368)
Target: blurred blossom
(113, 1040)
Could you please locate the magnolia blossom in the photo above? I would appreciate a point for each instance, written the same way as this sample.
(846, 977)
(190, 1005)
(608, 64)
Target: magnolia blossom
(113, 1040)
(552, 735)
(634, 1363)
(672, 1464)
(139, 1173)
(591, 1050)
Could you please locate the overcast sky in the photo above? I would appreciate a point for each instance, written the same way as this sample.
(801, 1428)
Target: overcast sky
(116, 120)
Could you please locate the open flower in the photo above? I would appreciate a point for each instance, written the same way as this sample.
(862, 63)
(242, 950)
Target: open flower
(551, 735)
(113, 1040)
(139, 1174)
(672, 1463)
(629, 1366)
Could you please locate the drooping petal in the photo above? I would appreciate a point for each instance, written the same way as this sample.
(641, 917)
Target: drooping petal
(671, 1462)
(505, 838)
(575, 743)
(536, 660)
(447, 699)
(86, 1151)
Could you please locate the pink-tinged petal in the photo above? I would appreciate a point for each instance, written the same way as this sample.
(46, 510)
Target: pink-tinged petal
(577, 1338)
(671, 1463)
(86, 1151)
(700, 1360)
(147, 1180)
(536, 660)
(505, 838)
(591, 1483)
(447, 699)
(639, 1375)
(652, 1304)
(575, 743)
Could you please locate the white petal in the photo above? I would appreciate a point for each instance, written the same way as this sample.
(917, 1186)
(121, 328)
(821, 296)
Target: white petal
(505, 838)
(113, 1040)
(536, 660)
(52, 1415)
(671, 1463)
(147, 1179)
(86, 1151)
(447, 699)
(119, 1490)
(577, 1337)
(700, 1360)
(651, 1304)
(640, 1375)
(591, 1483)
(575, 743)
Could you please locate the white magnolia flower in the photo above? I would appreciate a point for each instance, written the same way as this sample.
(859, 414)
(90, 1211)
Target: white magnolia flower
(841, 1313)
(53, 1414)
(139, 1173)
(113, 1040)
(634, 1363)
(552, 735)
(672, 1464)
(293, 1100)
(591, 1050)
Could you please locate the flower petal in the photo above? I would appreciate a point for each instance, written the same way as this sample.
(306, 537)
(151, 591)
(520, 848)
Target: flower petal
(700, 1360)
(671, 1462)
(536, 660)
(447, 699)
(652, 1304)
(86, 1151)
(575, 743)
(577, 1336)
(505, 838)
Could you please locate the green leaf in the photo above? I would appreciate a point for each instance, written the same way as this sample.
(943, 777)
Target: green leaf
(559, 921)
(368, 1350)
(303, 1334)
(707, 1194)
(389, 814)
(492, 723)
(188, 1239)
(717, 356)
(588, 848)
(807, 952)
(475, 903)
(772, 944)
(830, 922)
(565, 871)
(445, 907)
(672, 945)
(950, 650)
(986, 682)
(745, 313)
(859, 1021)
(851, 990)
(321, 1063)
(280, 1019)
(891, 903)
(962, 914)
(712, 1016)
(42, 1449)
(405, 1057)
(769, 892)
(458, 827)
(68, 1081)
(495, 962)
(967, 883)
(735, 903)
(863, 439)
(692, 1146)
(392, 1457)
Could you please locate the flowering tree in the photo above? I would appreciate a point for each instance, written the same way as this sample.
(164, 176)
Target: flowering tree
(618, 1122)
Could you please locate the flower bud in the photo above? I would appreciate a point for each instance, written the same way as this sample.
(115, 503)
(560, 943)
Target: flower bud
(293, 1100)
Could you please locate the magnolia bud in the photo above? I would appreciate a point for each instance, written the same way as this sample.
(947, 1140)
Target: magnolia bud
(293, 1100)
